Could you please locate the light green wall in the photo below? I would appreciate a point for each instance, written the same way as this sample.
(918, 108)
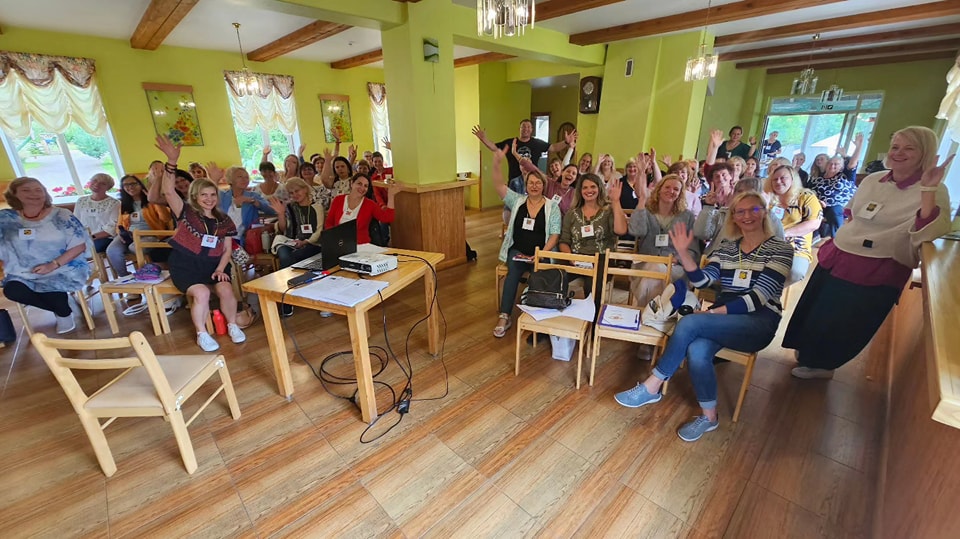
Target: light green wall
(722, 109)
(466, 82)
(560, 103)
(502, 105)
(421, 94)
(121, 70)
(912, 93)
(678, 105)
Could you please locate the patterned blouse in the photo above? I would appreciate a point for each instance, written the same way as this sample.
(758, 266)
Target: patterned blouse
(836, 191)
(572, 232)
(98, 215)
(191, 227)
(26, 244)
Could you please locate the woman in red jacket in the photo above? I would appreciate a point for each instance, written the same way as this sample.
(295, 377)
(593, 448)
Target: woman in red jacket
(356, 206)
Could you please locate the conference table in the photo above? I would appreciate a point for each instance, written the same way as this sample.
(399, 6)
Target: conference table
(410, 268)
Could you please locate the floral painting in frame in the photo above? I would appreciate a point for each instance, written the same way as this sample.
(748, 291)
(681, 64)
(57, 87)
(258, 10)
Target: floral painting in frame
(336, 117)
(174, 112)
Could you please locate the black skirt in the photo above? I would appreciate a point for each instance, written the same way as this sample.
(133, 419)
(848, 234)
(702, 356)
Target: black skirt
(187, 269)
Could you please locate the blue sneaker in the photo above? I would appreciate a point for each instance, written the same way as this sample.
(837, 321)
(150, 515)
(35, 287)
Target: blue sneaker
(692, 431)
(636, 397)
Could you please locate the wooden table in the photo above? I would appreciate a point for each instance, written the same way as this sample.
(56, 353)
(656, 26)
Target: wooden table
(270, 288)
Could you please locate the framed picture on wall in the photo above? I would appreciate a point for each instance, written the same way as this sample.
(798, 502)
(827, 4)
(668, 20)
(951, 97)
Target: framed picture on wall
(174, 112)
(336, 117)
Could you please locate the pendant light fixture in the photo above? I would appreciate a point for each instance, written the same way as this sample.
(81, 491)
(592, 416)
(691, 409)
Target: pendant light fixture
(704, 66)
(244, 81)
(498, 18)
(806, 83)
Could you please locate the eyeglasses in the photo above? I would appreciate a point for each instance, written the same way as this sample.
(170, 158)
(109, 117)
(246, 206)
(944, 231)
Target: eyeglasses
(754, 211)
(131, 184)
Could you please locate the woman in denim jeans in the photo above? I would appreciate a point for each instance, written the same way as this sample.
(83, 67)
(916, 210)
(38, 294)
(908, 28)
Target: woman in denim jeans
(751, 269)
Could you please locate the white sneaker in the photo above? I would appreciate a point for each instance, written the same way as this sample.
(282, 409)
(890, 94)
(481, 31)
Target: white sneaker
(206, 342)
(236, 334)
(65, 324)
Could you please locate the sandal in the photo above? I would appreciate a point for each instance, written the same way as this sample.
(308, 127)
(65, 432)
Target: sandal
(502, 326)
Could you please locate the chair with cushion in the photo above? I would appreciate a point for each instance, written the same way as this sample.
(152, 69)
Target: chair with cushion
(645, 335)
(149, 385)
(560, 326)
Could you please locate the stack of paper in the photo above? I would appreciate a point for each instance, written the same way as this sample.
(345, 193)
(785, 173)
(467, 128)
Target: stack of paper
(620, 317)
(340, 290)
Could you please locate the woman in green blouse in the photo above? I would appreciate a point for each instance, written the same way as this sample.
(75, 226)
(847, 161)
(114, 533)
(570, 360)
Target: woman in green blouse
(593, 222)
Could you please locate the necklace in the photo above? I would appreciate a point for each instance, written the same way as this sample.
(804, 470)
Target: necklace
(25, 216)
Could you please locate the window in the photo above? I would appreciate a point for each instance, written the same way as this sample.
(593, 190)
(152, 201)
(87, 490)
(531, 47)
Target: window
(56, 130)
(809, 126)
(380, 120)
(265, 114)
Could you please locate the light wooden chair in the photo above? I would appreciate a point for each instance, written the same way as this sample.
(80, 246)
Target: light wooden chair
(149, 385)
(561, 326)
(645, 335)
(141, 242)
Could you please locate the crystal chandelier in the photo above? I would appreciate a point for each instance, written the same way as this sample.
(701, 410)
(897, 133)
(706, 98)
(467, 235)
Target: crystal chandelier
(806, 83)
(498, 18)
(831, 95)
(244, 81)
(704, 66)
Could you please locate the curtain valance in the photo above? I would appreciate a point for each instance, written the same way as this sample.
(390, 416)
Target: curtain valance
(267, 83)
(272, 107)
(40, 69)
(950, 106)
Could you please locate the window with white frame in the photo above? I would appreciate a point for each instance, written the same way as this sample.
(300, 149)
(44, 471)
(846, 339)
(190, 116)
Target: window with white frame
(264, 113)
(52, 125)
(380, 120)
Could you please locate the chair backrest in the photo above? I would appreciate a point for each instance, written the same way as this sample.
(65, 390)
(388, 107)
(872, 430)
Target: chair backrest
(62, 367)
(545, 260)
(98, 268)
(611, 270)
(140, 243)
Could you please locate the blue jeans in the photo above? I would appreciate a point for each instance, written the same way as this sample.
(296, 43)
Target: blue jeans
(698, 337)
(101, 244)
(512, 281)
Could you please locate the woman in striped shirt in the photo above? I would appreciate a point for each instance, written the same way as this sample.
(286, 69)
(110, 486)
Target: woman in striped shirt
(751, 269)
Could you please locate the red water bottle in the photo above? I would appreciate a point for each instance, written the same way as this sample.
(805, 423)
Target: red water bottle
(219, 322)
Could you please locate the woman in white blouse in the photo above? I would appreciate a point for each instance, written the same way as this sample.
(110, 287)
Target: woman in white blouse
(98, 211)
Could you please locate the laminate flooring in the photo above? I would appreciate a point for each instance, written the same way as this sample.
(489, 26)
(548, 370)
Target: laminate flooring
(482, 453)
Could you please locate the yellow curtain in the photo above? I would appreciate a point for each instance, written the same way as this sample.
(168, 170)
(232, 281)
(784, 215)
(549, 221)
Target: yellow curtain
(272, 107)
(51, 90)
(950, 106)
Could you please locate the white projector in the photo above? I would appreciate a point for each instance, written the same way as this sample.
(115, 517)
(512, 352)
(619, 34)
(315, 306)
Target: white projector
(369, 263)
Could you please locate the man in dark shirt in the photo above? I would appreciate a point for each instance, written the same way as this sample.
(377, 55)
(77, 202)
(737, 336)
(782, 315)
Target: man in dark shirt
(527, 147)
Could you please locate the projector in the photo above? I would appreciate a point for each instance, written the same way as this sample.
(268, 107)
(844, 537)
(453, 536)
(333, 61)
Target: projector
(369, 263)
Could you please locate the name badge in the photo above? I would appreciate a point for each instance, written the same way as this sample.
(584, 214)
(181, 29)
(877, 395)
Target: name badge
(870, 210)
(306, 229)
(135, 217)
(209, 240)
(663, 240)
(557, 198)
(634, 194)
(741, 278)
(586, 231)
(778, 212)
(528, 223)
(27, 233)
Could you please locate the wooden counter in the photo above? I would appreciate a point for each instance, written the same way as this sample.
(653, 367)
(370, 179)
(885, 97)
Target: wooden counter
(941, 302)
(919, 478)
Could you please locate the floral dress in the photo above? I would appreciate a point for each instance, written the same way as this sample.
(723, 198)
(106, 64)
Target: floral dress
(25, 245)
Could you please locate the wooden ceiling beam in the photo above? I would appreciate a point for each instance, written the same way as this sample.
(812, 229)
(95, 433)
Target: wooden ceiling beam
(842, 64)
(827, 44)
(804, 59)
(943, 8)
(559, 8)
(735, 11)
(481, 59)
(359, 60)
(297, 39)
(158, 20)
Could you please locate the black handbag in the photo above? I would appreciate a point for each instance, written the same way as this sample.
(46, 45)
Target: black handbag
(549, 289)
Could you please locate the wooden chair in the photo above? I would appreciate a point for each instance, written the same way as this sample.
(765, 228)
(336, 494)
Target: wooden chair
(645, 335)
(561, 326)
(140, 242)
(149, 385)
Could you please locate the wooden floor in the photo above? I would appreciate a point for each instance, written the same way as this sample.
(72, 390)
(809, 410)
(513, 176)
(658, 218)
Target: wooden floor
(499, 456)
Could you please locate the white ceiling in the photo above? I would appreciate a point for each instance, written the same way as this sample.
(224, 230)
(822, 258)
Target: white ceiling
(208, 25)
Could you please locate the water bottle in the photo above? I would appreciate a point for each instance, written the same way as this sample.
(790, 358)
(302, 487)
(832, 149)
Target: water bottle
(265, 240)
(219, 322)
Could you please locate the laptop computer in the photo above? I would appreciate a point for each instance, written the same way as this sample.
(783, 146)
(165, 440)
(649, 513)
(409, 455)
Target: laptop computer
(334, 243)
